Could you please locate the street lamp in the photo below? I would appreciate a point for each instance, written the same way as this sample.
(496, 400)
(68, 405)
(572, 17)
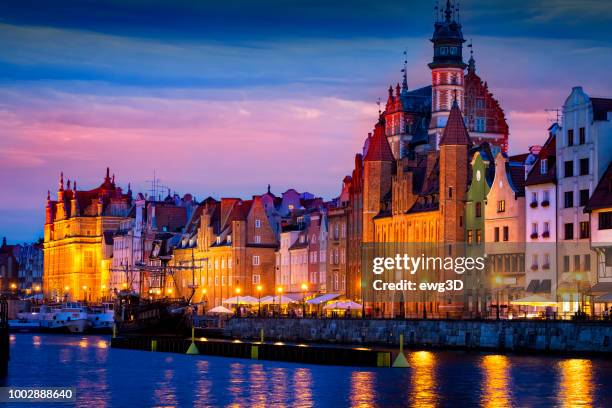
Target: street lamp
(498, 281)
(238, 301)
(204, 298)
(280, 302)
(580, 298)
(304, 289)
(259, 288)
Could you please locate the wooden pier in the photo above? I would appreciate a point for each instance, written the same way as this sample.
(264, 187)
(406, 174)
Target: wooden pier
(4, 337)
(257, 350)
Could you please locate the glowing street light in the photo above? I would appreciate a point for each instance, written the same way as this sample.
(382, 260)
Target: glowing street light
(304, 289)
(37, 288)
(259, 288)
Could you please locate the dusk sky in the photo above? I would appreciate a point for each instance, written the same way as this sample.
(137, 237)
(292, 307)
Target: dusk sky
(223, 97)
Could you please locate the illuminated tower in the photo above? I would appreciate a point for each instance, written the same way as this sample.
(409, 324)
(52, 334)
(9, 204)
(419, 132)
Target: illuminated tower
(447, 70)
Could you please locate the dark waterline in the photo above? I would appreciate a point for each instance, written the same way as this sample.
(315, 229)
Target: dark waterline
(106, 377)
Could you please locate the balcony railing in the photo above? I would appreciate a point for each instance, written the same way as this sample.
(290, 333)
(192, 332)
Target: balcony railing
(534, 235)
(546, 234)
(533, 204)
(545, 203)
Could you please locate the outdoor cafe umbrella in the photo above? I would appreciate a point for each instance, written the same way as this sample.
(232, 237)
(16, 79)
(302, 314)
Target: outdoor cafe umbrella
(219, 310)
(282, 299)
(342, 305)
(243, 300)
(533, 300)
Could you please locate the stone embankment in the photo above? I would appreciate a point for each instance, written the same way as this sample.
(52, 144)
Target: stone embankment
(502, 335)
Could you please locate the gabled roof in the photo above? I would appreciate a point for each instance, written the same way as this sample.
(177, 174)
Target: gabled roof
(455, 132)
(378, 148)
(548, 152)
(602, 196)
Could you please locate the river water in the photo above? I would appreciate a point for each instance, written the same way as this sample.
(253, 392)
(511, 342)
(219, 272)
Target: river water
(105, 377)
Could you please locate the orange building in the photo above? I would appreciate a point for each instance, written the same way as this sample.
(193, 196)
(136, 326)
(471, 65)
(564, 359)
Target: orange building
(78, 242)
(229, 249)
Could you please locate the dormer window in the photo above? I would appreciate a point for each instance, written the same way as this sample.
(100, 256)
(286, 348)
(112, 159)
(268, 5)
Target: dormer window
(229, 239)
(258, 223)
(218, 240)
(544, 166)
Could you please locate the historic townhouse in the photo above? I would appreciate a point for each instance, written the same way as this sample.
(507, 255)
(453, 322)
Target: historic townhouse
(505, 230)
(78, 239)
(583, 154)
(477, 294)
(540, 223)
(231, 252)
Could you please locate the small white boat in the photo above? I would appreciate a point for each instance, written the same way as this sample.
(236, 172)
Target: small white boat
(72, 316)
(102, 317)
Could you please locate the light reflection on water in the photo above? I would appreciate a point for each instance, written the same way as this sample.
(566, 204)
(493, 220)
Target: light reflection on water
(576, 386)
(423, 379)
(106, 377)
(363, 393)
(495, 387)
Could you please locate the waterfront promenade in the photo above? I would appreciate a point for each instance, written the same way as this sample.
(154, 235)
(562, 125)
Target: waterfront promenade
(555, 336)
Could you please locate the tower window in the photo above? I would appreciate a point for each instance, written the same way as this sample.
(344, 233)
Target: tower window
(443, 50)
(453, 50)
(450, 192)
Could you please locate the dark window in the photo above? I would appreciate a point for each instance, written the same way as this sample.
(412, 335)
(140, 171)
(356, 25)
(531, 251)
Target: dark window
(501, 206)
(584, 197)
(479, 209)
(584, 166)
(506, 233)
(570, 137)
(496, 234)
(587, 262)
(450, 192)
(576, 262)
(461, 221)
(584, 229)
(569, 199)
(581, 136)
(569, 231)
(569, 168)
(566, 263)
(605, 220)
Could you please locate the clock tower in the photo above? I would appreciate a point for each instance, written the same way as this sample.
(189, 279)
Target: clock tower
(447, 70)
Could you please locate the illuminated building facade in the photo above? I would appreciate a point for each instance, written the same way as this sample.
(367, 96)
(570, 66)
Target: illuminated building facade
(78, 242)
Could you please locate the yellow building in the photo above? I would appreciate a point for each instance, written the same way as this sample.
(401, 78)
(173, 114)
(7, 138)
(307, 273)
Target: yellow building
(78, 239)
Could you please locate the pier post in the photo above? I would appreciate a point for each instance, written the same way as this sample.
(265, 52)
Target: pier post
(261, 335)
(400, 360)
(153, 345)
(255, 352)
(193, 349)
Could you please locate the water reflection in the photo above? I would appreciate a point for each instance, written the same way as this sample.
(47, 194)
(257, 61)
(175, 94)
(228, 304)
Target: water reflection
(203, 397)
(258, 386)
(165, 391)
(363, 393)
(423, 379)
(278, 381)
(576, 385)
(302, 380)
(495, 387)
(36, 341)
(237, 384)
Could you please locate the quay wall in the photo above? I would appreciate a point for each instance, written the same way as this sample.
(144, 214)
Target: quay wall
(503, 335)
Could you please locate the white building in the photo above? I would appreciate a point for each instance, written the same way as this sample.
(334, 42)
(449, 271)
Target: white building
(540, 222)
(583, 154)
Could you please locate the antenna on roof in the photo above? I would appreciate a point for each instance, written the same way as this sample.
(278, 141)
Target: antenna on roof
(558, 115)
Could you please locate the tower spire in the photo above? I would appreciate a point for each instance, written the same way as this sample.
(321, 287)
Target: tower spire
(61, 182)
(471, 61)
(405, 74)
(448, 12)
